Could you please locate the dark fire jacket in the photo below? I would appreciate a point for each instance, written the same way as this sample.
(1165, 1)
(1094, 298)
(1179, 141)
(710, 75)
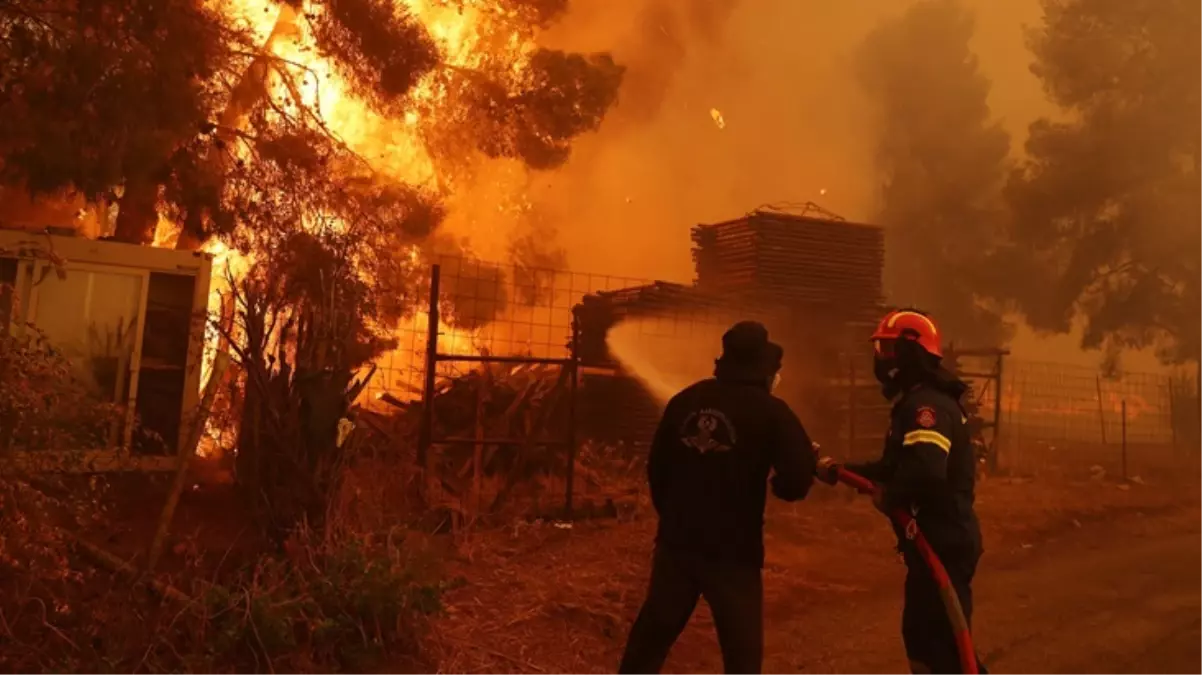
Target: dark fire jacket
(928, 467)
(709, 465)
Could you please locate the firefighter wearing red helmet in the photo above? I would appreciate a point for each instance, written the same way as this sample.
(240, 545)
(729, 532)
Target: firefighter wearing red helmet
(928, 468)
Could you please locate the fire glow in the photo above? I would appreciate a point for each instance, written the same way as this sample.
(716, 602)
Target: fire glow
(395, 146)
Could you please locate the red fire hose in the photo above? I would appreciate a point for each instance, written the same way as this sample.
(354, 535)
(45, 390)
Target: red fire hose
(951, 601)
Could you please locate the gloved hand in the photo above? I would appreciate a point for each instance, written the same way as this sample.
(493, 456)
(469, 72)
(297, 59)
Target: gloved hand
(827, 470)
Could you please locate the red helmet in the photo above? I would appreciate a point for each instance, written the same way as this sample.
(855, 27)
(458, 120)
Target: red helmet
(907, 324)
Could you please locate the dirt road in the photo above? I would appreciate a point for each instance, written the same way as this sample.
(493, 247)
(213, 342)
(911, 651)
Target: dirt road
(1117, 597)
(1062, 588)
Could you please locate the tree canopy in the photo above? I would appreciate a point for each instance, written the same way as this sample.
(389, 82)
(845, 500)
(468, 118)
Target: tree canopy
(1105, 209)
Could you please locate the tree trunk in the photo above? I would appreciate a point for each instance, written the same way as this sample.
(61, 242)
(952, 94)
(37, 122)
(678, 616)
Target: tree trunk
(251, 89)
(192, 233)
(137, 212)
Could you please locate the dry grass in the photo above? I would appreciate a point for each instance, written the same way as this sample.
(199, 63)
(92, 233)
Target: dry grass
(542, 597)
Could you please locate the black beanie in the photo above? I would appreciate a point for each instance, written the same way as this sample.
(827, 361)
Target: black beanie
(745, 342)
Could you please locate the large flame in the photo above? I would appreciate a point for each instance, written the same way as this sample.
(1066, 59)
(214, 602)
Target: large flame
(393, 146)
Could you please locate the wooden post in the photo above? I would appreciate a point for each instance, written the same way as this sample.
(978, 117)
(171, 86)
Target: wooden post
(1124, 439)
(1101, 409)
(186, 451)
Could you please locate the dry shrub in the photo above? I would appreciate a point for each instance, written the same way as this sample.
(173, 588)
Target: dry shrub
(342, 600)
(43, 406)
(344, 605)
(307, 322)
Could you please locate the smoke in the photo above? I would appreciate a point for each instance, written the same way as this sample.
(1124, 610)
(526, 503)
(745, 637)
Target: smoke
(941, 158)
(796, 128)
(653, 39)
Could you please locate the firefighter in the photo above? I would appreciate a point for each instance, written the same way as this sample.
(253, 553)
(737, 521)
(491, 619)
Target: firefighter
(708, 471)
(928, 467)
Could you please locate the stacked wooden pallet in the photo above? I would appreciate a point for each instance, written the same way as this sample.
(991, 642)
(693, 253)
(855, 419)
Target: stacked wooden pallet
(614, 408)
(795, 260)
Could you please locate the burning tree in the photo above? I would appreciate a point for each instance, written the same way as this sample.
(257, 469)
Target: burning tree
(1106, 206)
(152, 105)
(942, 162)
(319, 139)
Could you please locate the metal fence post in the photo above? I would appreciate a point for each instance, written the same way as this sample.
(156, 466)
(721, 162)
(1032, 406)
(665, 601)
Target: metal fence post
(1194, 419)
(1124, 439)
(997, 416)
(573, 368)
(851, 407)
(427, 427)
(1172, 414)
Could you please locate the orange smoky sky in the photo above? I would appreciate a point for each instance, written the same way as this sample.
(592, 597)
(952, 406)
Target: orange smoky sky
(795, 126)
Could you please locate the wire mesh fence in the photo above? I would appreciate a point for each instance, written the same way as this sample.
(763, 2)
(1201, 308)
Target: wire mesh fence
(641, 341)
(1059, 416)
(488, 308)
(499, 405)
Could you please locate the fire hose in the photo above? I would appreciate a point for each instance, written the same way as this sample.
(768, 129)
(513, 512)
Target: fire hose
(951, 601)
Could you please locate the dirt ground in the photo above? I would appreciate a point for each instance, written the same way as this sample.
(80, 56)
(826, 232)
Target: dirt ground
(1079, 576)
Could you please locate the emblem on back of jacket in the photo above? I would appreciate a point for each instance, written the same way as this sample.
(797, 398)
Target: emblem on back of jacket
(708, 430)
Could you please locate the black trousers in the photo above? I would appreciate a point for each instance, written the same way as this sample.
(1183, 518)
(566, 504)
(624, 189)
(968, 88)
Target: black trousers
(735, 594)
(926, 630)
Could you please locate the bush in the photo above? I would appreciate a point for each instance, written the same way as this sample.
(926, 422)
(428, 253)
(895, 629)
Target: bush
(340, 603)
(341, 607)
(43, 405)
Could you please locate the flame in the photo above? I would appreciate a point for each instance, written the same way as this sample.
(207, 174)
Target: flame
(393, 147)
(470, 35)
(165, 233)
(719, 121)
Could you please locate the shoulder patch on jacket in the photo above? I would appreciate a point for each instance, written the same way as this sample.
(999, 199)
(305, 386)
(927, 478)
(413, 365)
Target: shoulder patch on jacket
(926, 417)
